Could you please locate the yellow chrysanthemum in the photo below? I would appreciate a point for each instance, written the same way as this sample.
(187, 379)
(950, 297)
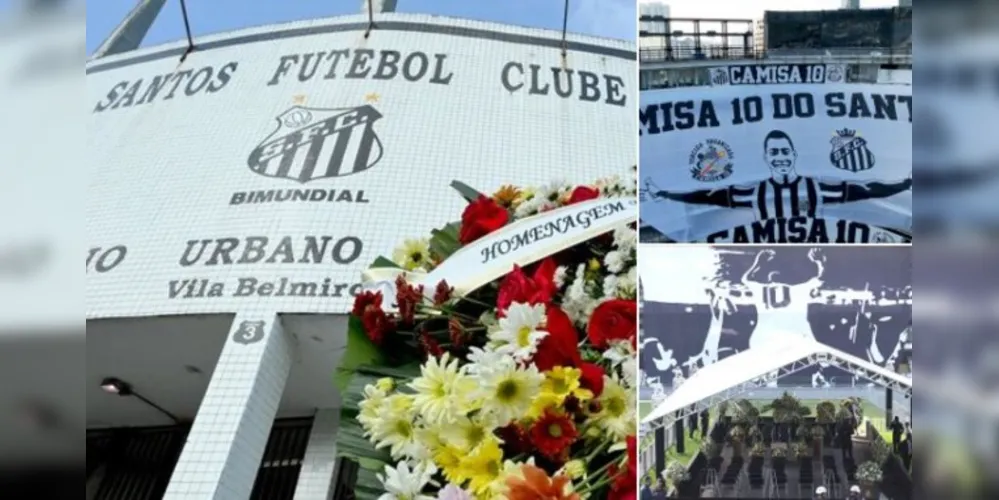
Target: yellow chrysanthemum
(617, 410)
(386, 384)
(574, 469)
(370, 407)
(448, 459)
(412, 254)
(483, 466)
(394, 427)
(560, 382)
(564, 382)
(466, 433)
(443, 391)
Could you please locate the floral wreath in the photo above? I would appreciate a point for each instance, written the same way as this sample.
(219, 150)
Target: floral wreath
(522, 388)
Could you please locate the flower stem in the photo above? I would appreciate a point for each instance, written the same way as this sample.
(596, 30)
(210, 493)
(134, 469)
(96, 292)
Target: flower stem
(476, 302)
(599, 449)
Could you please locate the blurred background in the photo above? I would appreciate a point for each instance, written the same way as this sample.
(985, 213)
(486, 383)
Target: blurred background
(42, 134)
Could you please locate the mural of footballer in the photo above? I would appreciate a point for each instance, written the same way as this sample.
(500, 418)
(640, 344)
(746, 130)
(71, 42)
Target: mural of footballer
(785, 194)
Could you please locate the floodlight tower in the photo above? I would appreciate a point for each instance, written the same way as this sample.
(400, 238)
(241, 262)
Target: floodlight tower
(378, 6)
(129, 34)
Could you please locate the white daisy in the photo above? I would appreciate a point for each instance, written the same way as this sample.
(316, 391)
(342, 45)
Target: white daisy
(443, 391)
(561, 273)
(610, 286)
(518, 333)
(394, 426)
(614, 261)
(401, 483)
(629, 372)
(624, 239)
(507, 393)
(482, 361)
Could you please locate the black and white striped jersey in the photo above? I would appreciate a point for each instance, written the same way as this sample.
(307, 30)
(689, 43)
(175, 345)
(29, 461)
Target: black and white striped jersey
(802, 197)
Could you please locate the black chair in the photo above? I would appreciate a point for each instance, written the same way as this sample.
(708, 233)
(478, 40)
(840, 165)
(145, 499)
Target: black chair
(732, 471)
(805, 476)
(780, 464)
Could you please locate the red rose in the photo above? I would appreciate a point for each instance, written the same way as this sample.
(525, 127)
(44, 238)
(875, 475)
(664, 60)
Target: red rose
(480, 218)
(518, 287)
(583, 193)
(625, 486)
(592, 378)
(561, 346)
(613, 320)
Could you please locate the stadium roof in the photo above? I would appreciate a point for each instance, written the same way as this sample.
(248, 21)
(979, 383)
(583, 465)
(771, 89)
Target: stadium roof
(736, 374)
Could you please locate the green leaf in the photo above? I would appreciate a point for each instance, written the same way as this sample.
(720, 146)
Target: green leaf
(360, 351)
(382, 262)
(467, 192)
(444, 241)
(352, 444)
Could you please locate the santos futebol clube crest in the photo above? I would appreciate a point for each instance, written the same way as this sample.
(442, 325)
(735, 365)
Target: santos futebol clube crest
(313, 143)
(850, 151)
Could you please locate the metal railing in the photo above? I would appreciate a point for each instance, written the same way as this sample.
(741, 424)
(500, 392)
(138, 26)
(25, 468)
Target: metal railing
(686, 54)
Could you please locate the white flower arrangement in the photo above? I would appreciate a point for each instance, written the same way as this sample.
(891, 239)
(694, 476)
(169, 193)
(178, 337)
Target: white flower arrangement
(869, 472)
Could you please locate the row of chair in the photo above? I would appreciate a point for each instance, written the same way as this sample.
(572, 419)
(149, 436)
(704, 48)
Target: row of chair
(732, 471)
(829, 464)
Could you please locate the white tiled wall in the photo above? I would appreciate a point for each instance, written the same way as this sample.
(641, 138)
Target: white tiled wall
(315, 481)
(223, 451)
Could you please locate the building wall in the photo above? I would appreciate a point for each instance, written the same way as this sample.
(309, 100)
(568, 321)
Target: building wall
(191, 161)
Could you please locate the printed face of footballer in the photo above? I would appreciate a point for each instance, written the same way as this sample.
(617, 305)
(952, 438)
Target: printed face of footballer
(780, 155)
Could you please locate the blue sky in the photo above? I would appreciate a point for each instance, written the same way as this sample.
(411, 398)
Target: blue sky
(605, 18)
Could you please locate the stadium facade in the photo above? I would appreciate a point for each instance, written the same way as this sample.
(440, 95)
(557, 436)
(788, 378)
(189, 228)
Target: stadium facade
(682, 52)
(237, 191)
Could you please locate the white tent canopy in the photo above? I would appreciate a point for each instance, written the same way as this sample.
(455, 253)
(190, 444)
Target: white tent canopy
(730, 376)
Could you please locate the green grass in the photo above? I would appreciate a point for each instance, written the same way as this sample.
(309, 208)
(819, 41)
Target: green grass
(644, 407)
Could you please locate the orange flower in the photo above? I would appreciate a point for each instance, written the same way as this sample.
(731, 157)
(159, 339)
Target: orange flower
(536, 485)
(506, 195)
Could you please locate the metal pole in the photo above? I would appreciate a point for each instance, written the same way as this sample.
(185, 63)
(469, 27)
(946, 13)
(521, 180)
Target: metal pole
(565, 27)
(371, 20)
(187, 29)
(159, 408)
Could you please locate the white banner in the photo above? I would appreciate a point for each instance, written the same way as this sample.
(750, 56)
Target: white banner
(521, 243)
(778, 164)
(763, 74)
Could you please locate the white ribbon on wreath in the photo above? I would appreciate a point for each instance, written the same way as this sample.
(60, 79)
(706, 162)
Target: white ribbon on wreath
(521, 243)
